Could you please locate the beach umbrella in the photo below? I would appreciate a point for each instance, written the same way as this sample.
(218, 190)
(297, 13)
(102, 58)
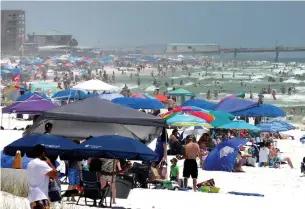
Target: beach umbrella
(221, 118)
(238, 125)
(69, 94)
(138, 103)
(184, 120)
(274, 126)
(110, 96)
(44, 87)
(54, 145)
(142, 96)
(191, 110)
(281, 123)
(115, 147)
(180, 92)
(263, 110)
(232, 105)
(195, 130)
(200, 103)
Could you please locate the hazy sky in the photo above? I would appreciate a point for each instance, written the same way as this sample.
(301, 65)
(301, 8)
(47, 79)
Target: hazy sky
(230, 24)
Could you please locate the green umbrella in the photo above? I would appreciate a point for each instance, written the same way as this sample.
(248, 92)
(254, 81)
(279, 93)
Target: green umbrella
(180, 92)
(221, 118)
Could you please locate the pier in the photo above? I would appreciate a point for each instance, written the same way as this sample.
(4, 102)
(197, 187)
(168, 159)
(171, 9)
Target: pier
(275, 50)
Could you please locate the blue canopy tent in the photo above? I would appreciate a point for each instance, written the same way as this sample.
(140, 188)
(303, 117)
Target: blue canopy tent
(200, 103)
(223, 156)
(263, 110)
(139, 103)
(7, 161)
(70, 94)
(232, 105)
(115, 147)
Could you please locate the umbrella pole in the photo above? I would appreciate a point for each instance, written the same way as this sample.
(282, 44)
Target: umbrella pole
(112, 178)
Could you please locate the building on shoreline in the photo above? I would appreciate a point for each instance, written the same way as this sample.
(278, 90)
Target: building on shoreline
(12, 31)
(50, 38)
(191, 48)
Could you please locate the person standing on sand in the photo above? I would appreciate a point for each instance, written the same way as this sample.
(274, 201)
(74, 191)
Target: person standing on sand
(190, 168)
(39, 170)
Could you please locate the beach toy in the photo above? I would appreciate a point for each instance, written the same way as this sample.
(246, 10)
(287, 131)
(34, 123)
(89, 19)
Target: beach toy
(246, 194)
(204, 189)
(214, 190)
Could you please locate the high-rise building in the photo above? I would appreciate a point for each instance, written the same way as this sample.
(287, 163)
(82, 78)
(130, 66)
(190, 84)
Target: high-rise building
(12, 30)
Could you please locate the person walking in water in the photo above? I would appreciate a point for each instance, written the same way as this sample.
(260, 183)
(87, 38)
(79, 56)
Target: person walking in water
(190, 168)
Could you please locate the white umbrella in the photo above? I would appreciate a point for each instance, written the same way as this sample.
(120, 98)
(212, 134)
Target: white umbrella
(195, 130)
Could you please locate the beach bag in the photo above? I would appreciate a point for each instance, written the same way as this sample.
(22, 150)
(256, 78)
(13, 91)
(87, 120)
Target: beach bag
(54, 191)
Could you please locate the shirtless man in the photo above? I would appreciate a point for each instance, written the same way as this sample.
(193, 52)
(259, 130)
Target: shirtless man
(190, 168)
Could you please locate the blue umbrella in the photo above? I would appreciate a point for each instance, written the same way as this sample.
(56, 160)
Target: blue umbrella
(223, 156)
(281, 123)
(238, 125)
(115, 146)
(273, 126)
(69, 94)
(200, 103)
(263, 110)
(138, 103)
(54, 145)
(110, 96)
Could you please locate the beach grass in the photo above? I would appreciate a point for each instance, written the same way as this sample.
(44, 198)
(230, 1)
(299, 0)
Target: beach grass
(14, 181)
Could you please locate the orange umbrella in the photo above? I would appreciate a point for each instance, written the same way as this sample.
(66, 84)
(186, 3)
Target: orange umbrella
(161, 97)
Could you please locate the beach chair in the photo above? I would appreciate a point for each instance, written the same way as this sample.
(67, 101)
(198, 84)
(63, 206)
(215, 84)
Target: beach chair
(141, 174)
(90, 181)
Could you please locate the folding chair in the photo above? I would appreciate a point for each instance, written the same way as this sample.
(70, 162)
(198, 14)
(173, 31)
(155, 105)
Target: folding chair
(90, 181)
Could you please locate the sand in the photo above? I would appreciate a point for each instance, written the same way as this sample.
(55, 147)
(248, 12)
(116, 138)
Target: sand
(282, 187)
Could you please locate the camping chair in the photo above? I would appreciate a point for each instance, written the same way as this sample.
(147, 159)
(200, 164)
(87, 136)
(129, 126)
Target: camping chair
(141, 174)
(90, 182)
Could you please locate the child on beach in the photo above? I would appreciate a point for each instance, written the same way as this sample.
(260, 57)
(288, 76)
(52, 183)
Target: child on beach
(174, 172)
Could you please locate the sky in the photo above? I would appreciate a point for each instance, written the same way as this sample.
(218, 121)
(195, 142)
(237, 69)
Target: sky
(230, 24)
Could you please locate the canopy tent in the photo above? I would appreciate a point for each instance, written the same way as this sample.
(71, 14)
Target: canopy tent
(44, 87)
(200, 103)
(263, 110)
(223, 156)
(233, 105)
(110, 96)
(139, 103)
(33, 105)
(95, 116)
(97, 85)
(29, 94)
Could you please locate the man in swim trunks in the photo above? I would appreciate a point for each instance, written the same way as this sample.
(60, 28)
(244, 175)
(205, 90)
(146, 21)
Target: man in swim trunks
(190, 168)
